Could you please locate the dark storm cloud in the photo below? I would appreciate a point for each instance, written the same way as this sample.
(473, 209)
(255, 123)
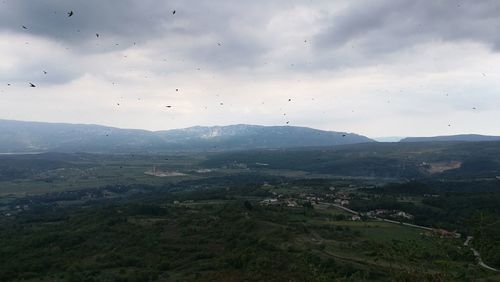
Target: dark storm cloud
(228, 34)
(124, 23)
(200, 31)
(115, 21)
(381, 27)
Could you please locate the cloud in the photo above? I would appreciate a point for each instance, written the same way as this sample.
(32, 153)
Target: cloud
(26, 58)
(373, 67)
(216, 32)
(379, 27)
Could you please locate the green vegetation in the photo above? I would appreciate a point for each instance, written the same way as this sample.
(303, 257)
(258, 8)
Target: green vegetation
(158, 240)
(258, 216)
(389, 160)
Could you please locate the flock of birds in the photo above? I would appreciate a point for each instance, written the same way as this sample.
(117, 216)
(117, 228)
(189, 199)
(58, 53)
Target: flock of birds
(71, 14)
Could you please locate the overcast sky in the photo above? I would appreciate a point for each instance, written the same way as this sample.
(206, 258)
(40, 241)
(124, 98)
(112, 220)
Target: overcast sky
(378, 68)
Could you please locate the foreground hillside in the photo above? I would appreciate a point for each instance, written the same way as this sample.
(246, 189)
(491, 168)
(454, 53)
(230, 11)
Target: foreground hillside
(224, 229)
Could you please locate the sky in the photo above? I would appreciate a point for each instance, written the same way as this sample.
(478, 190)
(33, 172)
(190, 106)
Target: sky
(377, 68)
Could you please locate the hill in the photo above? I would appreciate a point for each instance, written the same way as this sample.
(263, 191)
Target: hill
(394, 160)
(23, 137)
(458, 138)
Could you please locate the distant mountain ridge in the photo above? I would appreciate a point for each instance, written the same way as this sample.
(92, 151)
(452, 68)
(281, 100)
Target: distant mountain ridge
(25, 137)
(450, 138)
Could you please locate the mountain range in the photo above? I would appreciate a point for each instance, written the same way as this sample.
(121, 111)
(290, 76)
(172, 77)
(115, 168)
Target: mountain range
(31, 137)
(25, 137)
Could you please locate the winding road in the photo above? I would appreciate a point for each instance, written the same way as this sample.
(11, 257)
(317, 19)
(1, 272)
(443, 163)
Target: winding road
(480, 261)
(478, 255)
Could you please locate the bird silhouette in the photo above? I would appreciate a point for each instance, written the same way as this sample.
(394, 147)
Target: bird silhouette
(173, 12)
(32, 85)
(97, 35)
(70, 13)
(25, 27)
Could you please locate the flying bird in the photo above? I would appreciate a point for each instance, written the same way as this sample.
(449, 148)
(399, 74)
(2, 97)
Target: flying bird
(25, 27)
(32, 85)
(168, 106)
(173, 12)
(97, 35)
(70, 13)
(44, 72)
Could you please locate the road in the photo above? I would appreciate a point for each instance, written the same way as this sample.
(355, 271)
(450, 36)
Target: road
(378, 218)
(339, 207)
(466, 243)
(478, 255)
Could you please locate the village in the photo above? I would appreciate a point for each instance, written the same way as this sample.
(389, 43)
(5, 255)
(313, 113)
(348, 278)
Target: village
(341, 199)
